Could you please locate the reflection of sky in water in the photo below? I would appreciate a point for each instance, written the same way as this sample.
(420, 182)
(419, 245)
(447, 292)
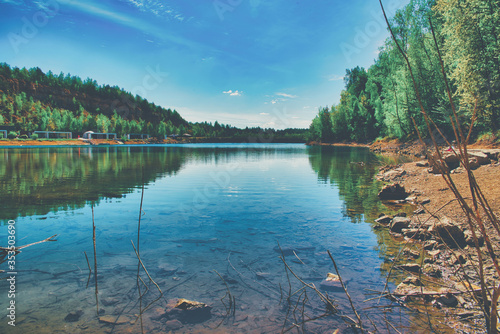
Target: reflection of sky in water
(223, 210)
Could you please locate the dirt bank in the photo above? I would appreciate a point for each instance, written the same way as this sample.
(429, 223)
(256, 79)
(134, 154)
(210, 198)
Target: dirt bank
(451, 263)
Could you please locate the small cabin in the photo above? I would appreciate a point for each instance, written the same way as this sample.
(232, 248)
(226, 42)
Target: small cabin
(97, 135)
(54, 134)
(137, 136)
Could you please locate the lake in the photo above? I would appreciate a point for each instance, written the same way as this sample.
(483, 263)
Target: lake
(215, 221)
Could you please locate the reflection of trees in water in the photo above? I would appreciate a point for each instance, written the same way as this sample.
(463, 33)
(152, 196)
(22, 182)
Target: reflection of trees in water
(35, 181)
(352, 171)
(40, 180)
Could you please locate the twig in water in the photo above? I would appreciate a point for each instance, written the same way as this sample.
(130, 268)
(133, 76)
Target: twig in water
(150, 278)
(90, 269)
(95, 262)
(345, 290)
(229, 308)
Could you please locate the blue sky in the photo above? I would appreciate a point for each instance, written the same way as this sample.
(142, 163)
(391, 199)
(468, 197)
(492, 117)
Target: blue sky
(241, 62)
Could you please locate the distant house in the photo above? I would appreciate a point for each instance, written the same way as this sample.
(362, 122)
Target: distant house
(97, 135)
(137, 136)
(54, 134)
(186, 135)
(5, 129)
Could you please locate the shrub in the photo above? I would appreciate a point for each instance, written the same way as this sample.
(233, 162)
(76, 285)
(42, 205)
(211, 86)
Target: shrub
(34, 136)
(23, 137)
(12, 135)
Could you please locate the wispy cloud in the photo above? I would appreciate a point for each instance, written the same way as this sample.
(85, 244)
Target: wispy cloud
(231, 93)
(96, 10)
(280, 97)
(157, 8)
(264, 113)
(335, 77)
(13, 2)
(290, 96)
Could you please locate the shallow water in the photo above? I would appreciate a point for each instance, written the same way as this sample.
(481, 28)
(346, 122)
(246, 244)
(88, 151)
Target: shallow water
(207, 210)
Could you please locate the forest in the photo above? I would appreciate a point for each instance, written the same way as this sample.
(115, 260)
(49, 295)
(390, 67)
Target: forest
(381, 101)
(31, 100)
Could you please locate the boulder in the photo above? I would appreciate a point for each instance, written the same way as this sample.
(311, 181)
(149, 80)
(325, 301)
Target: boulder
(392, 192)
(451, 159)
(411, 267)
(332, 283)
(449, 232)
(437, 166)
(193, 312)
(447, 300)
(399, 223)
(384, 220)
(480, 157)
(73, 316)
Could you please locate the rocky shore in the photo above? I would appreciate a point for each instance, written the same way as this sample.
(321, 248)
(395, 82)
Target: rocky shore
(439, 265)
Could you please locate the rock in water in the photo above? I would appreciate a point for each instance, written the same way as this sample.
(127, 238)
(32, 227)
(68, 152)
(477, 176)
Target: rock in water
(193, 312)
(73, 316)
(332, 283)
(173, 325)
(399, 223)
(392, 192)
(448, 300)
(384, 220)
(411, 267)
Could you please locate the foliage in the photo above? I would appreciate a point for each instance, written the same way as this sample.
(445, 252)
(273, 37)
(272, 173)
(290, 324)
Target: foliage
(34, 136)
(32, 100)
(381, 101)
(12, 135)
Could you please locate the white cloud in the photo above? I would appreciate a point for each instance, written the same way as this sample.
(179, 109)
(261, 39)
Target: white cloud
(264, 113)
(286, 95)
(335, 77)
(231, 93)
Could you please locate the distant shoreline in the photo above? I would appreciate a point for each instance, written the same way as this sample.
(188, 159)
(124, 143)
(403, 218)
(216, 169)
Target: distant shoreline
(6, 143)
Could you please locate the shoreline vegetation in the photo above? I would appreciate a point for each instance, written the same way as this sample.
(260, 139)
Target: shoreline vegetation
(152, 141)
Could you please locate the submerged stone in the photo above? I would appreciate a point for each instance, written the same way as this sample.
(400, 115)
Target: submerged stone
(73, 316)
(332, 283)
(116, 320)
(393, 192)
(192, 311)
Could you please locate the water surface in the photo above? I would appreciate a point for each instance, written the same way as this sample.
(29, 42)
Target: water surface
(208, 210)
